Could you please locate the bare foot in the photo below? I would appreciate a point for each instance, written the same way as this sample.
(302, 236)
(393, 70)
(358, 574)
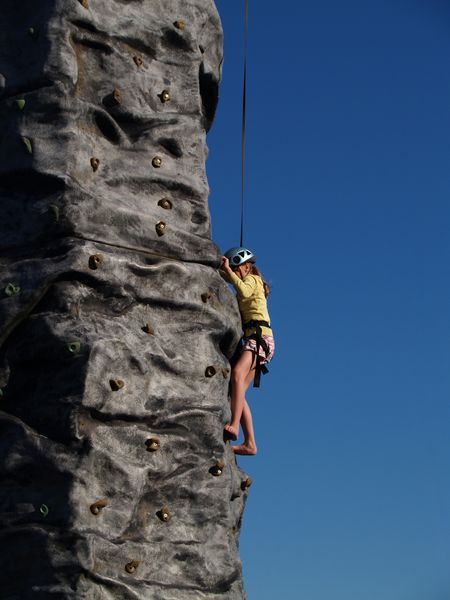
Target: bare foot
(231, 432)
(245, 449)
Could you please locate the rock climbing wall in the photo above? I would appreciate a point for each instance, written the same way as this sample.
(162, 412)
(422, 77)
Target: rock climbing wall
(116, 329)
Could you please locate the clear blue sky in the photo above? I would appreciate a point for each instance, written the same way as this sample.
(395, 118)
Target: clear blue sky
(348, 196)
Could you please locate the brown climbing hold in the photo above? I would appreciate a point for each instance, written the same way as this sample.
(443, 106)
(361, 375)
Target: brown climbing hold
(95, 163)
(84, 3)
(132, 566)
(148, 329)
(225, 372)
(153, 444)
(246, 484)
(160, 228)
(217, 469)
(165, 96)
(95, 261)
(116, 384)
(98, 506)
(117, 96)
(210, 371)
(206, 296)
(164, 514)
(165, 203)
(138, 61)
(157, 162)
(181, 25)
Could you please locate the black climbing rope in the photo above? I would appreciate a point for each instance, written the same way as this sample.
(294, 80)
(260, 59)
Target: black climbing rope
(244, 102)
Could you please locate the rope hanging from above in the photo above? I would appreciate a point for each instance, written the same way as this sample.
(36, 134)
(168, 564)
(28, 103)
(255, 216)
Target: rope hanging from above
(244, 102)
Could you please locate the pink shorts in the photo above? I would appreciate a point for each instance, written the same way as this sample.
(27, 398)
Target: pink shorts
(251, 345)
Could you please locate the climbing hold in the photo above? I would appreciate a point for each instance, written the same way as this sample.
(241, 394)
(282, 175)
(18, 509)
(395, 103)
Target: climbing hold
(153, 444)
(116, 384)
(138, 60)
(165, 96)
(84, 3)
(98, 506)
(95, 261)
(55, 211)
(27, 143)
(2, 83)
(117, 96)
(20, 103)
(210, 371)
(160, 228)
(74, 347)
(206, 296)
(148, 329)
(181, 25)
(95, 163)
(217, 469)
(165, 203)
(132, 566)
(164, 514)
(157, 162)
(246, 484)
(44, 510)
(225, 372)
(33, 33)
(12, 290)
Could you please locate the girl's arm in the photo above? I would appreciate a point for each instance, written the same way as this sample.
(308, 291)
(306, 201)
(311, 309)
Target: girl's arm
(246, 287)
(225, 269)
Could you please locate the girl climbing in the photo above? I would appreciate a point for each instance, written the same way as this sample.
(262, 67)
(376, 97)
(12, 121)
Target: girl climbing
(258, 344)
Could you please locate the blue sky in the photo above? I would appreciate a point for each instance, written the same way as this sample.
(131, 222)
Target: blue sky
(348, 211)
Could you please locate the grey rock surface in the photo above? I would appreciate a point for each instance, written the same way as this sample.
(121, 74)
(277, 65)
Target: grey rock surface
(115, 329)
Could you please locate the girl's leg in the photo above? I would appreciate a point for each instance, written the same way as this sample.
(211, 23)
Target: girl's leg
(249, 445)
(241, 377)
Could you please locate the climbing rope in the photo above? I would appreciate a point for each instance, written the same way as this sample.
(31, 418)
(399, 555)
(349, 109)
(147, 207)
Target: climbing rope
(244, 102)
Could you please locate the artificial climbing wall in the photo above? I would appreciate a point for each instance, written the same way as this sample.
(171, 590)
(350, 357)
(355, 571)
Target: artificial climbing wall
(115, 327)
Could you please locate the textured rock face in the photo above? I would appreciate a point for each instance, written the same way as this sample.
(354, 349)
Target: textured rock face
(115, 327)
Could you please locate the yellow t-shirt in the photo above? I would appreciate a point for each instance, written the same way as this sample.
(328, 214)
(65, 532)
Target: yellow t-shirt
(251, 300)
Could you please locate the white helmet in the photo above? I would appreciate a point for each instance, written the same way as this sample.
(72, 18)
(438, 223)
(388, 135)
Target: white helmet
(238, 256)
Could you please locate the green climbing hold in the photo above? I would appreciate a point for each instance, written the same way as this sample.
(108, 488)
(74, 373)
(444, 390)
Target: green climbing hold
(55, 211)
(12, 290)
(20, 103)
(28, 144)
(74, 347)
(44, 510)
(32, 32)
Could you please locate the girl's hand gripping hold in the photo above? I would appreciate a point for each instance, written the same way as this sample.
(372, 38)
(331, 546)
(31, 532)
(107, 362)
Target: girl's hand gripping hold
(225, 265)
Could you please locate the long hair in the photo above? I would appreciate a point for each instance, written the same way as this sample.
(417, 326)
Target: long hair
(256, 271)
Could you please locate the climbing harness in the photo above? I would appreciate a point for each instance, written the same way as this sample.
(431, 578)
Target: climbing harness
(260, 343)
(244, 103)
